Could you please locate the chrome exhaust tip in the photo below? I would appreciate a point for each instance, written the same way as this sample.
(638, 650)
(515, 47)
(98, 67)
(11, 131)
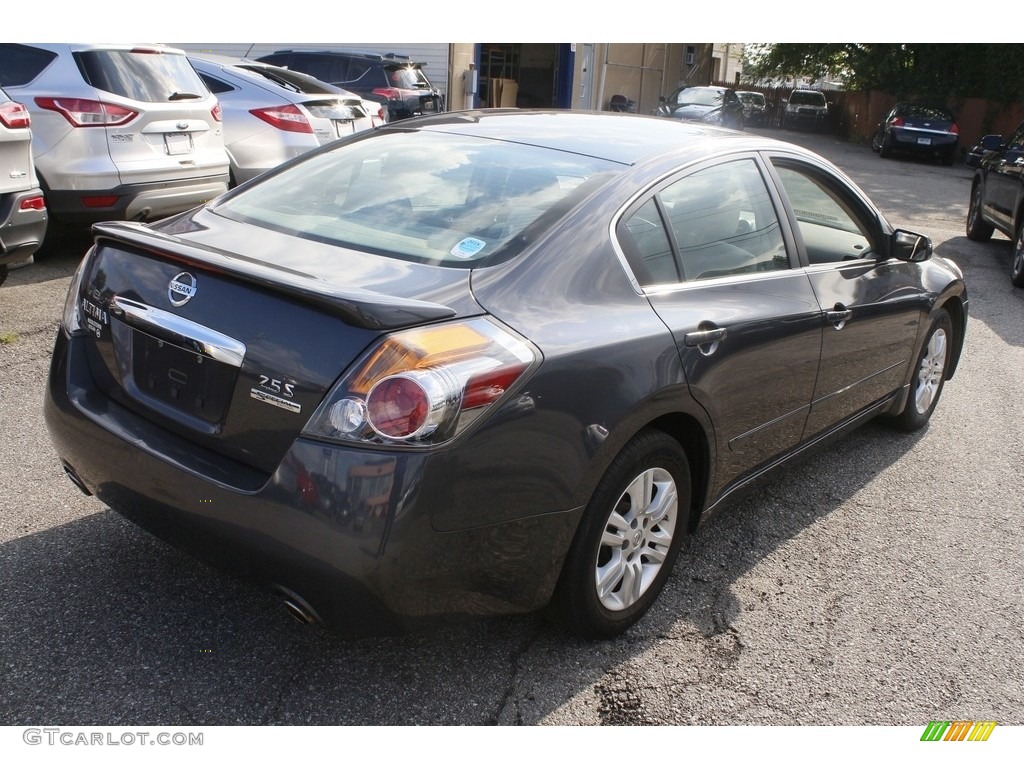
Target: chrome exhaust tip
(298, 608)
(74, 478)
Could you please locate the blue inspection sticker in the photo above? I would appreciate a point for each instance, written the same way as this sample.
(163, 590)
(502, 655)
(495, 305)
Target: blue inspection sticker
(467, 248)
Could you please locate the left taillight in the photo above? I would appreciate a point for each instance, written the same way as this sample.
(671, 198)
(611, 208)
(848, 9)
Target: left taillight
(88, 113)
(424, 386)
(287, 117)
(216, 113)
(14, 115)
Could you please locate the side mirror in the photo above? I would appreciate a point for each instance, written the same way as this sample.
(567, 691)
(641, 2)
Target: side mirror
(910, 246)
(992, 142)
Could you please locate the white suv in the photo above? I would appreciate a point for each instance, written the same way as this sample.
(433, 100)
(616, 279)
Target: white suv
(22, 206)
(119, 132)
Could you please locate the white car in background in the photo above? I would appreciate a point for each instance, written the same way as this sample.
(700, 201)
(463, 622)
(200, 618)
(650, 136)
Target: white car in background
(118, 131)
(273, 114)
(22, 206)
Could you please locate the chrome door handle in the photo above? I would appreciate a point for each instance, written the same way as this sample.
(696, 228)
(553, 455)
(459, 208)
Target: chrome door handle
(701, 338)
(838, 316)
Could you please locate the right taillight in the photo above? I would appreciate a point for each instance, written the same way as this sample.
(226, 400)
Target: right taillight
(423, 386)
(14, 115)
(287, 117)
(88, 113)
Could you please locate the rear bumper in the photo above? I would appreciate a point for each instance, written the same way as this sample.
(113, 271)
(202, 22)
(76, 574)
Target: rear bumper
(349, 531)
(136, 202)
(923, 142)
(21, 231)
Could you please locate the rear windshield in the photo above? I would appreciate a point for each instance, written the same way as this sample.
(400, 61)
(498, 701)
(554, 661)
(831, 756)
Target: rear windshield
(420, 196)
(143, 75)
(411, 78)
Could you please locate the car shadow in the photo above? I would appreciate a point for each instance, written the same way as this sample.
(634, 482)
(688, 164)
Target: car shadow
(103, 624)
(986, 268)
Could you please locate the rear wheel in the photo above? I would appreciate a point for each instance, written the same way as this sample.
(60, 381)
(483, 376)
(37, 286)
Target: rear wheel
(628, 539)
(977, 228)
(3, 273)
(884, 148)
(1017, 261)
(932, 364)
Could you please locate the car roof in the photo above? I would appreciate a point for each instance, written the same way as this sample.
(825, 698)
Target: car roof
(595, 134)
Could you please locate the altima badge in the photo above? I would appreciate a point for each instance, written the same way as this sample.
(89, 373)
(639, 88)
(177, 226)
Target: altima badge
(182, 288)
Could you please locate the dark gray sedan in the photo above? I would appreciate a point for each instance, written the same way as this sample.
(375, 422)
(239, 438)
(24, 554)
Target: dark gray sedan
(489, 362)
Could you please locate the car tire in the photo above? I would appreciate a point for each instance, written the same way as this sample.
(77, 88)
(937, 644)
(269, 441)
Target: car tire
(884, 148)
(929, 374)
(977, 228)
(3, 273)
(876, 141)
(628, 539)
(949, 158)
(1017, 259)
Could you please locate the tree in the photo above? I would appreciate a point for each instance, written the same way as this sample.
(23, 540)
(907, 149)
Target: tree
(909, 70)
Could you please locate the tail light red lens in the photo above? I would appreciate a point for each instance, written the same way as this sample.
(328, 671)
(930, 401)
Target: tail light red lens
(14, 115)
(425, 385)
(99, 201)
(218, 115)
(897, 122)
(287, 117)
(88, 113)
(388, 93)
(37, 203)
(954, 129)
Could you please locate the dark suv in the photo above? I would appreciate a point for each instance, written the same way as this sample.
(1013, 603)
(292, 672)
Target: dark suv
(395, 79)
(997, 196)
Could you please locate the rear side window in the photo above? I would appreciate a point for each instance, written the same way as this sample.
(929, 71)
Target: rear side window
(143, 75)
(21, 64)
(215, 85)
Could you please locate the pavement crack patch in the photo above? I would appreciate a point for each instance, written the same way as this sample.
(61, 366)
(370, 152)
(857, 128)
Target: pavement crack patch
(508, 698)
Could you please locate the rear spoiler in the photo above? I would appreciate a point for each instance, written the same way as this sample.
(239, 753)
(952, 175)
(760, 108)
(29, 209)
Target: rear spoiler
(363, 309)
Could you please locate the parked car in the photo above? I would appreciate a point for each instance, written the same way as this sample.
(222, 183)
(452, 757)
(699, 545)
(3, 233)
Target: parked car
(805, 108)
(271, 114)
(492, 361)
(997, 196)
(22, 205)
(118, 132)
(918, 129)
(755, 107)
(396, 80)
(704, 104)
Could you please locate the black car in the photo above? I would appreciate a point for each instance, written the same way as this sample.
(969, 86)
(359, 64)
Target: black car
(918, 129)
(755, 107)
(487, 362)
(997, 196)
(396, 80)
(704, 104)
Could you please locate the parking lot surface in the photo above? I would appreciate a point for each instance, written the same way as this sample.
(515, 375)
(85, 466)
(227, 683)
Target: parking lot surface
(879, 582)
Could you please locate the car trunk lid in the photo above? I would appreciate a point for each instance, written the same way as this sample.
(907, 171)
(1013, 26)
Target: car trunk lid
(232, 351)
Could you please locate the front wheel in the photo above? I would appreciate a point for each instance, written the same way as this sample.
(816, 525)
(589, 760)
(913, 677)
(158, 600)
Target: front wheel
(628, 539)
(932, 364)
(1017, 262)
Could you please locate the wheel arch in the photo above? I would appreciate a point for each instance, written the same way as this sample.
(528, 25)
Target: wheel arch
(954, 305)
